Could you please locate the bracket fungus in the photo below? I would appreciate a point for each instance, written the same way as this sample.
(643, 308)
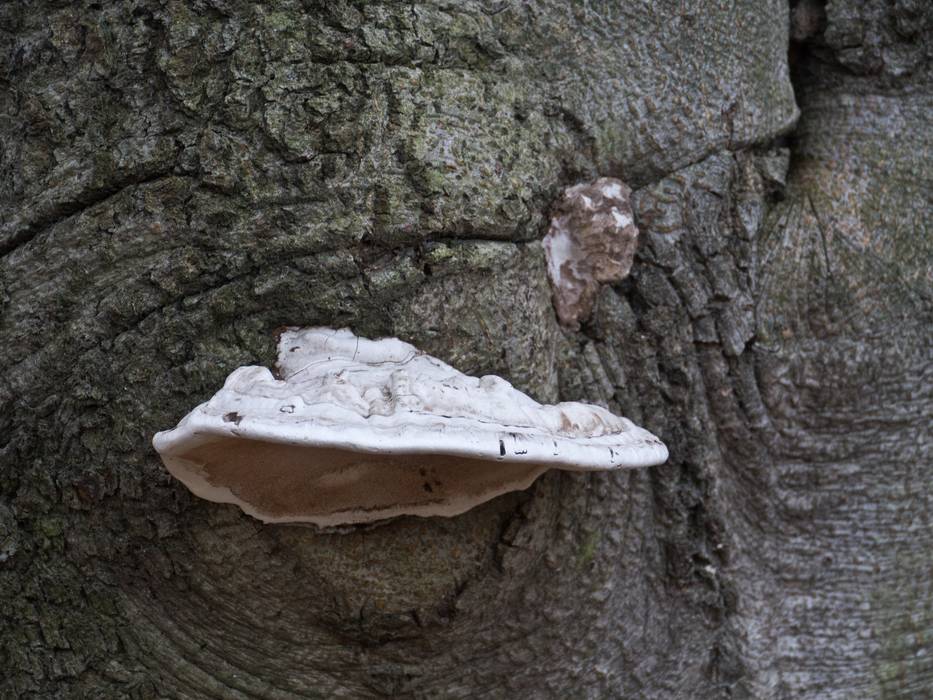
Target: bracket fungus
(359, 430)
(591, 241)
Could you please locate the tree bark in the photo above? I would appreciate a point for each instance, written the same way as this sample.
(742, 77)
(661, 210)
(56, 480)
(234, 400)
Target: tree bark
(179, 179)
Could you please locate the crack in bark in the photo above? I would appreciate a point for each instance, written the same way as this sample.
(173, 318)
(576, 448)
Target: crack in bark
(66, 210)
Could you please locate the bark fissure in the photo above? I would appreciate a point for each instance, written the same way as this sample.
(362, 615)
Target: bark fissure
(67, 210)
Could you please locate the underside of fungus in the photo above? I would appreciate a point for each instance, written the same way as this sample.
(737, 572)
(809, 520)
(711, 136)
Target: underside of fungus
(351, 430)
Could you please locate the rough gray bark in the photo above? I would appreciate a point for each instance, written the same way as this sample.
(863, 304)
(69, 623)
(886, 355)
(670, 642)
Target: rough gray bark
(180, 179)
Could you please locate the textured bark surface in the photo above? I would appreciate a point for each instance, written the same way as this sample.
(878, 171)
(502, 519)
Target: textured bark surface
(179, 179)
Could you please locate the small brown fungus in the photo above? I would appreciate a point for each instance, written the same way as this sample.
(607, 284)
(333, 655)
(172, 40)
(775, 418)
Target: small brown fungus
(591, 241)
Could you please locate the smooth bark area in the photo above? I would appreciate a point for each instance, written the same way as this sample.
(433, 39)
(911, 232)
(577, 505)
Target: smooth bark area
(180, 179)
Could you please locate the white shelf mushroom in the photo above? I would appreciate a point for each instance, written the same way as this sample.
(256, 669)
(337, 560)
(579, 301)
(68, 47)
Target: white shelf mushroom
(360, 430)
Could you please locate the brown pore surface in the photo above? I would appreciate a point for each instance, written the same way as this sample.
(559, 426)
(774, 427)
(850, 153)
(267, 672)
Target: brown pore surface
(326, 486)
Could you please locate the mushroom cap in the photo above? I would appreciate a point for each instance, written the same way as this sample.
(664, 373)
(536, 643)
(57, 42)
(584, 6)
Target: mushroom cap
(348, 401)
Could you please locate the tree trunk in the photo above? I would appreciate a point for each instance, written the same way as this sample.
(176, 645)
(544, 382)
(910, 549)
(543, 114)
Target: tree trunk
(179, 179)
